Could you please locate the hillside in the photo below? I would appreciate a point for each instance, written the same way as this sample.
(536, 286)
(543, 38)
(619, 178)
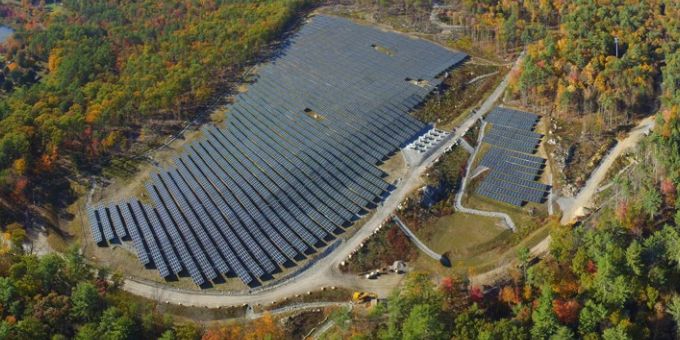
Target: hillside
(89, 86)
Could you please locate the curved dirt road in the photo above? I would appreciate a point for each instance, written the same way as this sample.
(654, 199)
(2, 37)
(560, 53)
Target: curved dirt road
(458, 201)
(575, 207)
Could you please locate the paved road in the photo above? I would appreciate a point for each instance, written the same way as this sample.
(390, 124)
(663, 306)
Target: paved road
(325, 272)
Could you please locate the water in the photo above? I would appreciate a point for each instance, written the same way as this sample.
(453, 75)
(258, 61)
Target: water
(5, 33)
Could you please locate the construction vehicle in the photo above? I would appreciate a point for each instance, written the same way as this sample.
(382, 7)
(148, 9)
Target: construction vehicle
(362, 297)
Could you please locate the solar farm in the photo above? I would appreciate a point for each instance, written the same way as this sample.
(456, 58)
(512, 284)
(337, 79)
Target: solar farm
(295, 164)
(513, 167)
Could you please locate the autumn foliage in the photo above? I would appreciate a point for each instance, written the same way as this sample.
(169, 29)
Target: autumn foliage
(84, 78)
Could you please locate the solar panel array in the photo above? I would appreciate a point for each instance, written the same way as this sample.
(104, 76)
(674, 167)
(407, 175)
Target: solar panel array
(514, 170)
(295, 163)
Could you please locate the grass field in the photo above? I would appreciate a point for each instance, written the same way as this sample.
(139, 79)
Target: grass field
(476, 251)
(462, 235)
(469, 241)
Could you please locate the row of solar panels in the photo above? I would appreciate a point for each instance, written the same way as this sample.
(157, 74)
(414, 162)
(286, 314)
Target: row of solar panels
(293, 166)
(231, 162)
(513, 168)
(512, 119)
(508, 142)
(335, 33)
(510, 166)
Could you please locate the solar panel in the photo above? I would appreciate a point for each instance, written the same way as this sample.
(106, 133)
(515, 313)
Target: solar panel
(104, 222)
(180, 243)
(135, 234)
(149, 238)
(257, 186)
(197, 249)
(196, 220)
(237, 213)
(296, 160)
(94, 225)
(237, 238)
(118, 225)
(166, 246)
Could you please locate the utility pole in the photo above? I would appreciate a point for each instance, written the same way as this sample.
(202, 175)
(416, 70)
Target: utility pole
(616, 42)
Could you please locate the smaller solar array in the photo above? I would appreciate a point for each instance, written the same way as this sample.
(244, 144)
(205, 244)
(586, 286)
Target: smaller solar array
(513, 168)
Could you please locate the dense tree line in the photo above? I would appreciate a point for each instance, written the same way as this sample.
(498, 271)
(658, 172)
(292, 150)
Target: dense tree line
(584, 57)
(61, 296)
(83, 78)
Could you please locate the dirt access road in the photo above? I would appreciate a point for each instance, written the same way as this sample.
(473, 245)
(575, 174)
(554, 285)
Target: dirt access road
(576, 207)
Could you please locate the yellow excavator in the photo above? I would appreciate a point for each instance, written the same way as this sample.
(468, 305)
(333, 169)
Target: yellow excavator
(361, 297)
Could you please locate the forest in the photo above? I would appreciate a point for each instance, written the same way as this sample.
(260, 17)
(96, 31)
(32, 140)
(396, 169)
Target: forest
(85, 82)
(61, 296)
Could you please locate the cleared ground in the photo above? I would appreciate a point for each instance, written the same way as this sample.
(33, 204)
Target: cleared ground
(462, 235)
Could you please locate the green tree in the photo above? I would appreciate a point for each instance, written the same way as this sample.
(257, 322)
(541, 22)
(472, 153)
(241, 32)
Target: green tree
(504, 329)
(592, 315)
(168, 335)
(86, 302)
(633, 257)
(563, 333)
(187, 331)
(616, 333)
(76, 268)
(545, 322)
(7, 292)
(418, 289)
(114, 325)
(29, 329)
(88, 332)
(423, 323)
(469, 323)
(523, 255)
(673, 309)
(651, 201)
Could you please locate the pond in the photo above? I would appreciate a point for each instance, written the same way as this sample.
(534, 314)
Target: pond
(5, 33)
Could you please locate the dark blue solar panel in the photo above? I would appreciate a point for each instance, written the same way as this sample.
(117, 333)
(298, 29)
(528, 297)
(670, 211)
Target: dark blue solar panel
(296, 160)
